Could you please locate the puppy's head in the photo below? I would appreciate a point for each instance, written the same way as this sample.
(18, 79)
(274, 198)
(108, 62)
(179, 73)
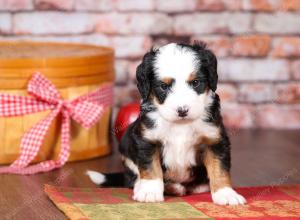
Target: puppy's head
(179, 80)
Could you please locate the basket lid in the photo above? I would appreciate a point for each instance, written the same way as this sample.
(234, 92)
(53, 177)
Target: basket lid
(61, 62)
(24, 54)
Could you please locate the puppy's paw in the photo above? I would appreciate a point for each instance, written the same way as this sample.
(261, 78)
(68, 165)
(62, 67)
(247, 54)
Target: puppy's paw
(227, 196)
(200, 188)
(149, 190)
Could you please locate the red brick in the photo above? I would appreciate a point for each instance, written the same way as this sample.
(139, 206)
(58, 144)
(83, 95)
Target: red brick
(131, 47)
(220, 45)
(132, 69)
(152, 23)
(227, 92)
(252, 46)
(96, 39)
(161, 40)
(278, 116)
(238, 115)
(209, 23)
(288, 93)
(278, 23)
(133, 5)
(93, 39)
(54, 4)
(233, 5)
(176, 6)
(295, 70)
(124, 95)
(253, 70)
(260, 5)
(219, 5)
(125, 46)
(210, 5)
(271, 5)
(52, 23)
(15, 5)
(121, 71)
(134, 94)
(286, 47)
(5, 23)
(94, 5)
(290, 5)
(256, 93)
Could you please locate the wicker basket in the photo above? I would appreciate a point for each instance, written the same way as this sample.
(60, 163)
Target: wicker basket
(75, 70)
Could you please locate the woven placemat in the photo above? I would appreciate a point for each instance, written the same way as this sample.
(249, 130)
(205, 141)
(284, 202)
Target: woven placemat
(268, 202)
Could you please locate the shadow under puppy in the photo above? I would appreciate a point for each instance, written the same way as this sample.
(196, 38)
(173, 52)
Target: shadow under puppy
(178, 145)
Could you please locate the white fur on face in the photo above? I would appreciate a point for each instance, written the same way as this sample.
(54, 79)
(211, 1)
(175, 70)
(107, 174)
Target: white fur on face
(175, 62)
(183, 95)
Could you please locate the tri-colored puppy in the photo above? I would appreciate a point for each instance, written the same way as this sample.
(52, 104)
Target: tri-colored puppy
(179, 144)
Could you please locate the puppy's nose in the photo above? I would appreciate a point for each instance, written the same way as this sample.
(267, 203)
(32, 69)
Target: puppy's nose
(182, 111)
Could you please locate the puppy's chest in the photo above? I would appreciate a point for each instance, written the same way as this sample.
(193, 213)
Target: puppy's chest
(180, 146)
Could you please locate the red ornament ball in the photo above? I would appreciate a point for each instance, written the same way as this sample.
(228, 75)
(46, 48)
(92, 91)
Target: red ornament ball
(126, 115)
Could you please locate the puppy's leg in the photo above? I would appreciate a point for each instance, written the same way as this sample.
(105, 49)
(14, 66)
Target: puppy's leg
(175, 189)
(149, 186)
(220, 182)
(201, 188)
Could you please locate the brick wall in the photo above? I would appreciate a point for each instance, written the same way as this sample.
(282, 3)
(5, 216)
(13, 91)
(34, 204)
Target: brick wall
(257, 43)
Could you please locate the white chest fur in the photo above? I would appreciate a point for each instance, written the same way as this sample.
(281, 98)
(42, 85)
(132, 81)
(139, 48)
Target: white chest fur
(179, 140)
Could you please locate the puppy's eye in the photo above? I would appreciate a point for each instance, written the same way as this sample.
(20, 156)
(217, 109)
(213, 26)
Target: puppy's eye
(195, 83)
(164, 86)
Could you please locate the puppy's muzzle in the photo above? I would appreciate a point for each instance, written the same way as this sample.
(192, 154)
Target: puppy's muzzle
(182, 111)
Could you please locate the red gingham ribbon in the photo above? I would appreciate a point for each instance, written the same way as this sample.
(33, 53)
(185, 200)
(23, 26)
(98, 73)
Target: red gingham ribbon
(86, 110)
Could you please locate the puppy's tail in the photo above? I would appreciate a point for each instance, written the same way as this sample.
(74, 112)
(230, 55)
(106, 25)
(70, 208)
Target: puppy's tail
(107, 179)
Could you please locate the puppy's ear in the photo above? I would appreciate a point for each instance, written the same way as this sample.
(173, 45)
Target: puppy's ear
(208, 64)
(144, 73)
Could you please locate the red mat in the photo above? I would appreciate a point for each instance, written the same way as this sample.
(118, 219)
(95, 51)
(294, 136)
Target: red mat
(280, 202)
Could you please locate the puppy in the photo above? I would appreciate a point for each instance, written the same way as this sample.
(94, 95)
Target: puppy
(178, 145)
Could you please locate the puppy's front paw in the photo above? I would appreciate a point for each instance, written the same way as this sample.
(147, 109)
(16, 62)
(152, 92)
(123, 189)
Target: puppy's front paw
(149, 190)
(227, 196)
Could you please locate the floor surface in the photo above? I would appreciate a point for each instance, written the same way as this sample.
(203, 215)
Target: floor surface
(258, 158)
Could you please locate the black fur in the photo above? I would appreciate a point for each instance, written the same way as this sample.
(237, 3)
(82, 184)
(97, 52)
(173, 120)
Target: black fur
(140, 150)
(135, 147)
(221, 149)
(144, 74)
(159, 92)
(207, 61)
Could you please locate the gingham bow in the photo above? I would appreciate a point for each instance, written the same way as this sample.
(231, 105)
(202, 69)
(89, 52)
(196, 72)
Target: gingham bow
(86, 110)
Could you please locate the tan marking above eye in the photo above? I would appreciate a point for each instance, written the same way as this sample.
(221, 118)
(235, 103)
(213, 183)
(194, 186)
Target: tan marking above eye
(167, 80)
(192, 76)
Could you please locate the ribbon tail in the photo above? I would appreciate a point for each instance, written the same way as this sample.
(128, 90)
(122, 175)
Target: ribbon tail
(32, 169)
(87, 111)
(65, 140)
(50, 164)
(30, 145)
